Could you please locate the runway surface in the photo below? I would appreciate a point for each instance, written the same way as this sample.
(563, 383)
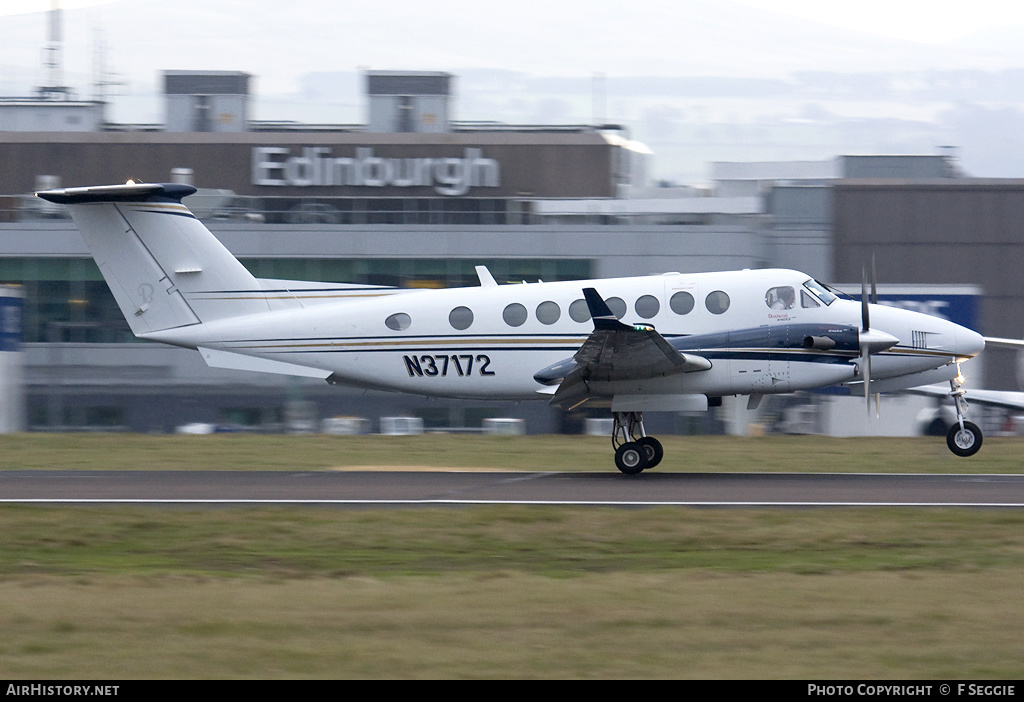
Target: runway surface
(466, 487)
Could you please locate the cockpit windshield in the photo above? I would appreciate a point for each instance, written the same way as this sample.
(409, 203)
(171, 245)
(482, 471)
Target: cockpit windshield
(824, 293)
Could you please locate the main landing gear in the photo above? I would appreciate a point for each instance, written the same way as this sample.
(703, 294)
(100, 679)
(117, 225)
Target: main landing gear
(634, 450)
(964, 438)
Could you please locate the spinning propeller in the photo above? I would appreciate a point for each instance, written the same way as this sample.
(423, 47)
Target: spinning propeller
(871, 341)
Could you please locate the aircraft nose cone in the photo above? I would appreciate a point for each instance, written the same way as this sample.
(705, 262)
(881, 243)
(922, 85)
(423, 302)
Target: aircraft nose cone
(969, 342)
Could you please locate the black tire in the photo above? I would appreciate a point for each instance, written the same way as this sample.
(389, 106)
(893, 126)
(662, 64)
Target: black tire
(654, 450)
(965, 442)
(630, 458)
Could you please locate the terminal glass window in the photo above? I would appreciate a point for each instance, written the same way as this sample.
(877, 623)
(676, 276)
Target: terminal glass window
(67, 300)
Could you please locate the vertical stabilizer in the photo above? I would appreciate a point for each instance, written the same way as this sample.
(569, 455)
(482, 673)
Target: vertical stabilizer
(163, 266)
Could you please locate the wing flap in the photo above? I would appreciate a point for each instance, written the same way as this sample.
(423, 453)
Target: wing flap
(615, 351)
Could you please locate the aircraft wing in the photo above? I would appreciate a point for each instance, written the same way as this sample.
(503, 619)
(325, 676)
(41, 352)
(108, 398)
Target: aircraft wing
(615, 351)
(1005, 399)
(1004, 343)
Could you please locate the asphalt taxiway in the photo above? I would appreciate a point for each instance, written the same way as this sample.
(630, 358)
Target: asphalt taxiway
(441, 488)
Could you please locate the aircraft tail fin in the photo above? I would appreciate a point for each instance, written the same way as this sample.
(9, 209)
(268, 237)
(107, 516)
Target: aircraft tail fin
(163, 266)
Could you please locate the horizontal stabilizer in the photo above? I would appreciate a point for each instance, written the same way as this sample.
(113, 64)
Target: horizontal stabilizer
(129, 192)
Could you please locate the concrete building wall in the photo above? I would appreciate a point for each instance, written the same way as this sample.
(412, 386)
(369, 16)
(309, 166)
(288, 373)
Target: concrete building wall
(51, 116)
(295, 164)
(967, 232)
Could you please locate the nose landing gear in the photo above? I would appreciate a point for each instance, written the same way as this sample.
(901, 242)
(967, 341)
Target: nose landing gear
(635, 452)
(964, 438)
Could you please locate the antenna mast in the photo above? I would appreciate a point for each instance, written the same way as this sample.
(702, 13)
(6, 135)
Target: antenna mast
(52, 58)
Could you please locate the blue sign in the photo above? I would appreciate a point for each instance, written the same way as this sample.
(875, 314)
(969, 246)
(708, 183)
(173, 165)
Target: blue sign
(11, 316)
(959, 309)
(961, 306)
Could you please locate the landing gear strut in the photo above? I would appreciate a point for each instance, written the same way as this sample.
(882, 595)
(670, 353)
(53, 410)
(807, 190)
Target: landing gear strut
(634, 450)
(964, 438)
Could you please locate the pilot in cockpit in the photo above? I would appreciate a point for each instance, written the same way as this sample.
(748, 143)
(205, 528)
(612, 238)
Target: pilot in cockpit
(781, 298)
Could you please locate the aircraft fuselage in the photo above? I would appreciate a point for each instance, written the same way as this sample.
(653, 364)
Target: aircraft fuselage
(490, 341)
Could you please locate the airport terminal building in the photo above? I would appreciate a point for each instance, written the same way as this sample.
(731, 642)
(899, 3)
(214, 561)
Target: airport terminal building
(414, 198)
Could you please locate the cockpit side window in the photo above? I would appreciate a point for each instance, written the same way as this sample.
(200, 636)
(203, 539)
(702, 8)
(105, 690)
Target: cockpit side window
(781, 298)
(807, 300)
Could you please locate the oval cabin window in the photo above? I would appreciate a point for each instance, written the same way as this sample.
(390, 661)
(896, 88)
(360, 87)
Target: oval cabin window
(681, 302)
(399, 321)
(717, 302)
(460, 318)
(548, 312)
(514, 315)
(647, 306)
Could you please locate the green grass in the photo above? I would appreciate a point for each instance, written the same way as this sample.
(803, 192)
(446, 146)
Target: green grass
(507, 591)
(510, 592)
(541, 453)
(552, 542)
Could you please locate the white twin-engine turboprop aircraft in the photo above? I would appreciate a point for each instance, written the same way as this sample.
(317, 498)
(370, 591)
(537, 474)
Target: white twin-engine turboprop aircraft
(751, 332)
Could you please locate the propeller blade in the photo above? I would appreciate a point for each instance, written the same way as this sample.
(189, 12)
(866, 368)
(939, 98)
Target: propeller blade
(874, 282)
(865, 366)
(864, 314)
(865, 346)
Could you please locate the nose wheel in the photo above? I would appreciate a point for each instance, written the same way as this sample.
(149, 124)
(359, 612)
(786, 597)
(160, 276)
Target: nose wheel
(635, 452)
(964, 438)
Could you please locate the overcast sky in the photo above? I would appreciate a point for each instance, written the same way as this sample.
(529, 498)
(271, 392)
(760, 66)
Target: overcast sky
(547, 61)
(916, 20)
(931, 21)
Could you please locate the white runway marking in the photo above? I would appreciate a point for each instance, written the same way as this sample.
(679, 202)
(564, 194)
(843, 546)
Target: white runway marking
(557, 503)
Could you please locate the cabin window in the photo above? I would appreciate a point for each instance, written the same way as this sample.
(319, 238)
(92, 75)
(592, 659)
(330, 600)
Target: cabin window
(514, 315)
(647, 306)
(681, 302)
(717, 302)
(460, 318)
(617, 305)
(781, 298)
(399, 321)
(578, 311)
(548, 312)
